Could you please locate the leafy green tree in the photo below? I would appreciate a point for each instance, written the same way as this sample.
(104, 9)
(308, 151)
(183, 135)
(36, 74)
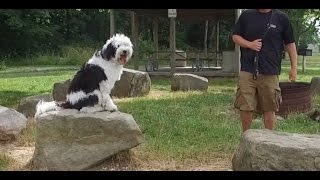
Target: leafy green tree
(304, 23)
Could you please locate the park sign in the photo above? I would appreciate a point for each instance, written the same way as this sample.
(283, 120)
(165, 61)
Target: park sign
(172, 13)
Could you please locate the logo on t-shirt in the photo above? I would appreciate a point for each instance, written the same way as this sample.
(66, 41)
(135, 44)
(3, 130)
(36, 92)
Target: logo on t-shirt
(273, 26)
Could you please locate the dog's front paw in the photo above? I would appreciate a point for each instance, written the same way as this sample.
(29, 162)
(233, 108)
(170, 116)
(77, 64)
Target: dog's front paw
(91, 109)
(110, 107)
(86, 110)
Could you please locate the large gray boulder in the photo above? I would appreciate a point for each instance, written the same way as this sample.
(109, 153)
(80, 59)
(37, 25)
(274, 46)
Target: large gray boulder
(315, 86)
(266, 150)
(11, 123)
(69, 140)
(27, 105)
(132, 84)
(187, 82)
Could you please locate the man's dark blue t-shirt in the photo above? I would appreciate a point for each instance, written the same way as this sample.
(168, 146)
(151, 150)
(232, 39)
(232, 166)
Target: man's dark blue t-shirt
(251, 25)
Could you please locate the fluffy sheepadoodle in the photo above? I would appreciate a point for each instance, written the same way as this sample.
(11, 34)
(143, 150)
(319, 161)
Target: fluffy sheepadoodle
(90, 88)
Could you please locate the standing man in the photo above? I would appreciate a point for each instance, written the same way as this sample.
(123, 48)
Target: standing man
(262, 35)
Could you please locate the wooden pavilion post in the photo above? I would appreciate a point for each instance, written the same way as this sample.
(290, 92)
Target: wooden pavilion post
(218, 43)
(206, 38)
(172, 13)
(237, 49)
(156, 38)
(135, 39)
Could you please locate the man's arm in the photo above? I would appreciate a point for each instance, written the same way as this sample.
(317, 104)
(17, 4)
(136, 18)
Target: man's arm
(254, 45)
(292, 51)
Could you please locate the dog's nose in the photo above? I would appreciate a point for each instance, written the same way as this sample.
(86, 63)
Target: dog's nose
(124, 52)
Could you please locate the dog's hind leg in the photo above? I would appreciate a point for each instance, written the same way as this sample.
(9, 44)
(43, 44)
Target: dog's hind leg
(92, 109)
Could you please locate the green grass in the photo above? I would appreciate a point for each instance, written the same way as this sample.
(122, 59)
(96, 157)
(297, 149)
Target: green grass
(299, 124)
(185, 125)
(301, 77)
(5, 161)
(16, 85)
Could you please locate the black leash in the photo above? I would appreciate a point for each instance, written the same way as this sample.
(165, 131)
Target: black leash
(256, 66)
(256, 58)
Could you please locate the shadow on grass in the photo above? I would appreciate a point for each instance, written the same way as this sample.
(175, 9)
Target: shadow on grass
(12, 98)
(35, 74)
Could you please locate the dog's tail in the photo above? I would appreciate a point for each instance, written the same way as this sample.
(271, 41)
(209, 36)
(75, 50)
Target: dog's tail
(43, 107)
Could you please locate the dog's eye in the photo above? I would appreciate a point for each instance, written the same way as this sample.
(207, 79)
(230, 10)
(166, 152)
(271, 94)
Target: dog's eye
(118, 45)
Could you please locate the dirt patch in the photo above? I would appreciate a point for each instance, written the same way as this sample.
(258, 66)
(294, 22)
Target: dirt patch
(133, 161)
(123, 161)
(21, 155)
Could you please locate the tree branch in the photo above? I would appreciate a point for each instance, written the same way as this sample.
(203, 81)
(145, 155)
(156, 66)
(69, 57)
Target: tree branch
(310, 26)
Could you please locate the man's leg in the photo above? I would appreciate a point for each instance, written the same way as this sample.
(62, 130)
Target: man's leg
(246, 99)
(269, 119)
(270, 99)
(246, 120)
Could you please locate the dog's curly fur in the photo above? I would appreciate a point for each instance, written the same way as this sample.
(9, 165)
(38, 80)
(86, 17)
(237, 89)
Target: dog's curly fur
(90, 88)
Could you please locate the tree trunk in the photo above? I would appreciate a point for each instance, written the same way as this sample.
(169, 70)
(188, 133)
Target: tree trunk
(112, 24)
(212, 36)
(217, 40)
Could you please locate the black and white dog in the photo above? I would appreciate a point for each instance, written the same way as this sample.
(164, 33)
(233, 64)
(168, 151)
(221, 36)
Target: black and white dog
(90, 88)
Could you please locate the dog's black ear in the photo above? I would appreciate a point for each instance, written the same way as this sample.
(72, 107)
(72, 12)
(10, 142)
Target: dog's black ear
(108, 52)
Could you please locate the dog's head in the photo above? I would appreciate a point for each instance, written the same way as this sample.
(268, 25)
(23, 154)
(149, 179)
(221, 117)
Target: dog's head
(118, 49)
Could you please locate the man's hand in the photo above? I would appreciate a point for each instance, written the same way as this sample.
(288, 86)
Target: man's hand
(293, 74)
(255, 45)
